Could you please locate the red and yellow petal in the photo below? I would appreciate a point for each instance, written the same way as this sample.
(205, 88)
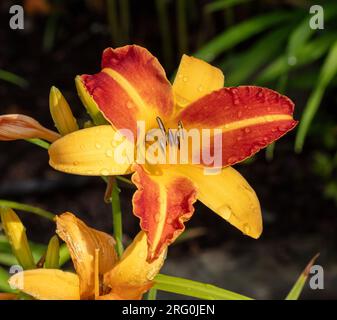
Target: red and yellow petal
(131, 86)
(163, 202)
(248, 118)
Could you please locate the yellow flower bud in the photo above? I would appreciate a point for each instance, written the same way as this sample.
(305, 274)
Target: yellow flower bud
(16, 234)
(61, 112)
(53, 254)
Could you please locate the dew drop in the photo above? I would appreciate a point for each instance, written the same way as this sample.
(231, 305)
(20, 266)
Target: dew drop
(292, 60)
(157, 217)
(141, 255)
(129, 105)
(232, 160)
(75, 163)
(239, 114)
(225, 211)
(200, 88)
(247, 130)
(169, 220)
(104, 172)
(185, 79)
(98, 146)
(109, 153)
(246, 228)
(239, 139)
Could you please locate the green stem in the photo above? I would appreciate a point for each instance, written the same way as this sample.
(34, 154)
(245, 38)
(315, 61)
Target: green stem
(152, 294)
(128, 181)
(38, 142)
(194, 289)
(117, 217)
(25, 207)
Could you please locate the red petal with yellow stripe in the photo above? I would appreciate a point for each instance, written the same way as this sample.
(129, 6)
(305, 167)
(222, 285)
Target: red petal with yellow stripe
(250, 118)
(163, 202)
(131, 86)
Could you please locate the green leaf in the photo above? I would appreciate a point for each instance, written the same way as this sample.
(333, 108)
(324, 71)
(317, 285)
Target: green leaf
(13, 78)
(248, 62)
(4, 286)
(194, 289)
(222, 5)
(297, 289)
(307, 54)
(239, 33)
(327, 73)
(27, 208)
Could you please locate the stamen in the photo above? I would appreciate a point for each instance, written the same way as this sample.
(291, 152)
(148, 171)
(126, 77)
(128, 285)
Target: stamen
(163, 140)
(173, 139)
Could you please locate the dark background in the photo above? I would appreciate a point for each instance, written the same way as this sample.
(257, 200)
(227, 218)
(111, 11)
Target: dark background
(298, 192)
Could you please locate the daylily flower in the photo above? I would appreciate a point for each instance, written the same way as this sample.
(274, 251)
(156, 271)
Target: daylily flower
(132, 86)
(99, 272)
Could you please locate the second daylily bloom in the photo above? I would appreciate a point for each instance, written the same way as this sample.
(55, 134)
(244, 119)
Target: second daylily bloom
(132, 86)
(19, 126)
(99, 272)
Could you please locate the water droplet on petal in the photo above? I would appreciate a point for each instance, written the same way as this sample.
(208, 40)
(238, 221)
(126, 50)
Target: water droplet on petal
(232, 160)
(225, 211)
(200, 88)
(109, 153)
(246, 228)
(141, 254)
(75, 163)
(104, 172)
(169, 220)
(185, 79)
(98, 146)
(247, 130)
(157, 217)
(130, 105)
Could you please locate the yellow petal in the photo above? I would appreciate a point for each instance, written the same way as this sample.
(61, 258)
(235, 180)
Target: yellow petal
(195, 78)
(61, 112)
(47, 284)
(229, 195)
(133, 275)
(92, 152)
(19, 126)
(82, 242)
